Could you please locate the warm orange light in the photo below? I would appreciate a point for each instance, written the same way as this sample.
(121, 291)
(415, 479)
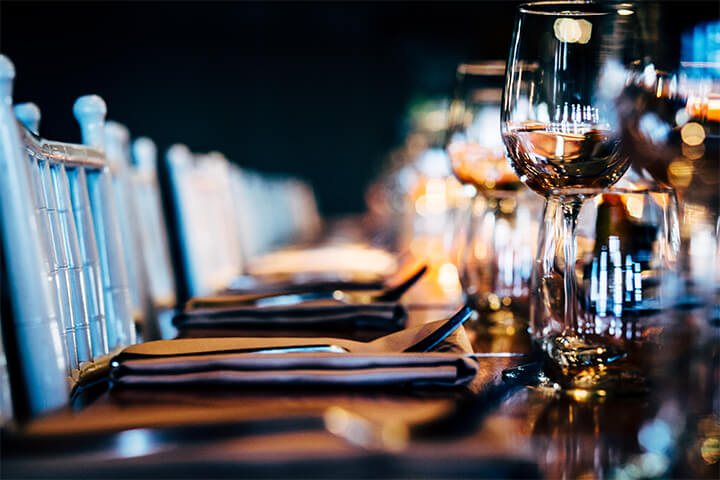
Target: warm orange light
(680, 173)
(634, 206)
(482, 167)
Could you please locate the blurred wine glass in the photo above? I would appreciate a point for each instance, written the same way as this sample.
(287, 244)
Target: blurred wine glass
(500, 227)
(560, 128)
(418, 202)
(671, 131)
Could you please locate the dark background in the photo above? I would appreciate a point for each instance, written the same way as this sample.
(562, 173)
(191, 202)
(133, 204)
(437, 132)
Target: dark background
(319, 90)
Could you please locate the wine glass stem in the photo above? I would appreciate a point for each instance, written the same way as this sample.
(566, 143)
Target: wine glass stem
(570, 209)
(470, 220)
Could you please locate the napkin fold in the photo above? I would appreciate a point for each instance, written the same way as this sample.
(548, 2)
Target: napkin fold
(308, 317)
(297, 369)
(322, 361)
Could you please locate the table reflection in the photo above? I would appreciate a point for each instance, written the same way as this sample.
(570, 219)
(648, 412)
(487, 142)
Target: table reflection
(671, 432)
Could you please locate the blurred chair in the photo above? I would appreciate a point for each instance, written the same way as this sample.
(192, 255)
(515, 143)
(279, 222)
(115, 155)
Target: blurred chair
(6, 410)
(142, 227)
(30, 326)
(224, 216)
(130, 215)
(205, 226)
(69, 302)
(152, 228)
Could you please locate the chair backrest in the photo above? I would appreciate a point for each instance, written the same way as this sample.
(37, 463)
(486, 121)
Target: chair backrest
(62, 213)
(154, 237)
(30, 326)
(6, 410)
(93, 200)
(205, 220)
(272, 211)
(117, 150)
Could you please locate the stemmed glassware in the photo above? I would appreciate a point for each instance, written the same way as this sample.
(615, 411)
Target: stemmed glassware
(671, 129)
(560, 126)
(498, 239)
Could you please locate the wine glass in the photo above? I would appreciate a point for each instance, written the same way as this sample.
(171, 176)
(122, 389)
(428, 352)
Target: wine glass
(671, 130)
(500, 227)
(558, 119)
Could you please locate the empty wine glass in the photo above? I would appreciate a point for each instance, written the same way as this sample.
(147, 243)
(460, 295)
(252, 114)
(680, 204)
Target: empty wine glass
(559, 121)
(671, 130)
(501, 231)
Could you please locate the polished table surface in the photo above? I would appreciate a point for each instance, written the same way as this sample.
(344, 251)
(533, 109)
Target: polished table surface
(500, 426)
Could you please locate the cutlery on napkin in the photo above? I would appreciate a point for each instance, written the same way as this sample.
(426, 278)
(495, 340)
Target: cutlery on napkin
(350, 314)
(316, 315)
(395, 359)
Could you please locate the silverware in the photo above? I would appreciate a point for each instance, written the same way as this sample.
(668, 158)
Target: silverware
(431, 341)
(389, 343)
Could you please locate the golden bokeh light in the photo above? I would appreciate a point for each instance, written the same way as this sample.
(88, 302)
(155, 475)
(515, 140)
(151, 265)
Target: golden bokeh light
(692, 134)
(680, 173)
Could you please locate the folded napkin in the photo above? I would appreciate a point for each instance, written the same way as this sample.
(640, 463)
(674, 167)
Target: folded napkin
(292, 361)
(247, 287)
(316, 369)
(312, 316)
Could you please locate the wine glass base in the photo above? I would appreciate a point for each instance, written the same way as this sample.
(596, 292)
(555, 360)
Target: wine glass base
(582, 367)
(501, 320)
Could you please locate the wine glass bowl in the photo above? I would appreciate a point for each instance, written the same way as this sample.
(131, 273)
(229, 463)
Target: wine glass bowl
(572, 151)
(666, 117)
(558, 118)
(474, 143)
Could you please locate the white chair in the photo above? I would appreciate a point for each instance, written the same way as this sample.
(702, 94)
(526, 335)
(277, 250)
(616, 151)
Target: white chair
(68, 291)
(94, 177)
(154, 238)
(33, 328)
(117, 150)
(205, 221)
(6, 409)
(225, 216)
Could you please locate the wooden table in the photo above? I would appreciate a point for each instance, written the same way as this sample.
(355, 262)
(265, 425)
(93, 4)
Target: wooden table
(493, 429)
